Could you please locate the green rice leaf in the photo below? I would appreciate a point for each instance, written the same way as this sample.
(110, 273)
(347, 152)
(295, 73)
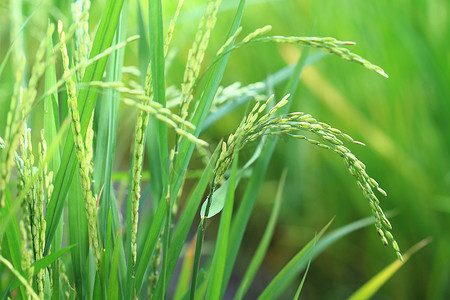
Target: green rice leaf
(300, 287)
(78, 234)
(107, 110)
(144, 47)
(12, 236)
(158, 82)
(292, 268)
(44, 262)
(113, 285)
(369, 289)
(261, 251)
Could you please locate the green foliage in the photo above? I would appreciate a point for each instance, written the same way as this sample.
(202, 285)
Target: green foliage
(84, 108)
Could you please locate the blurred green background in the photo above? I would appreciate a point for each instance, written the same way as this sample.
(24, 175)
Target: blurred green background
(403, 120)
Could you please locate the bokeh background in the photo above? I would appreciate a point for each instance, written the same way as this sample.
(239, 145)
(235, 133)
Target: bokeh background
(403, 120)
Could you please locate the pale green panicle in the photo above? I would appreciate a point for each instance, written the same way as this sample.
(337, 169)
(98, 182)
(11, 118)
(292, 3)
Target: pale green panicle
(147, 106)
(84, 164)
(254, 126)
(138, 157)
(27, 255)
(137, 98)
(12, 133)
(228, 42)
(34, 224)
(80, 14)
(172, 27)
(75, 69)
(21, 103)
(257, 33)
(196, 55)
(328, 44)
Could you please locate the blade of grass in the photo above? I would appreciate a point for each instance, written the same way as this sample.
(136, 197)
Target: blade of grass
(51, 116)
(201, 286)
(185, 273)
(107, 119)
(51, 123)
(113, 285)
(261, 251)
(144, 55)
(78, 234)
(122, 260)
(12, 237)
(220, 251)
(158, 130)
(158, 80)
(300, 287)
(369, 289)
(44, 262)
(86, 98)
(292, 268)
(108, 245)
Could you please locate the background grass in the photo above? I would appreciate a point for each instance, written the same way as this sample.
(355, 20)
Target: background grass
(403, 121)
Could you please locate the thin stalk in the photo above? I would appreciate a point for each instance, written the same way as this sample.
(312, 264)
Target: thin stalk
(199, 243)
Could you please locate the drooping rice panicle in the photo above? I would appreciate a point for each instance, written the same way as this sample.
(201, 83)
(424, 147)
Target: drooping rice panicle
(69, 73)
(136, 97)
(327, 44)
(254, 126)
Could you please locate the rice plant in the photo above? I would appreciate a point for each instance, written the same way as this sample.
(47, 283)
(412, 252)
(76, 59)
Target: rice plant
(68, 230)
